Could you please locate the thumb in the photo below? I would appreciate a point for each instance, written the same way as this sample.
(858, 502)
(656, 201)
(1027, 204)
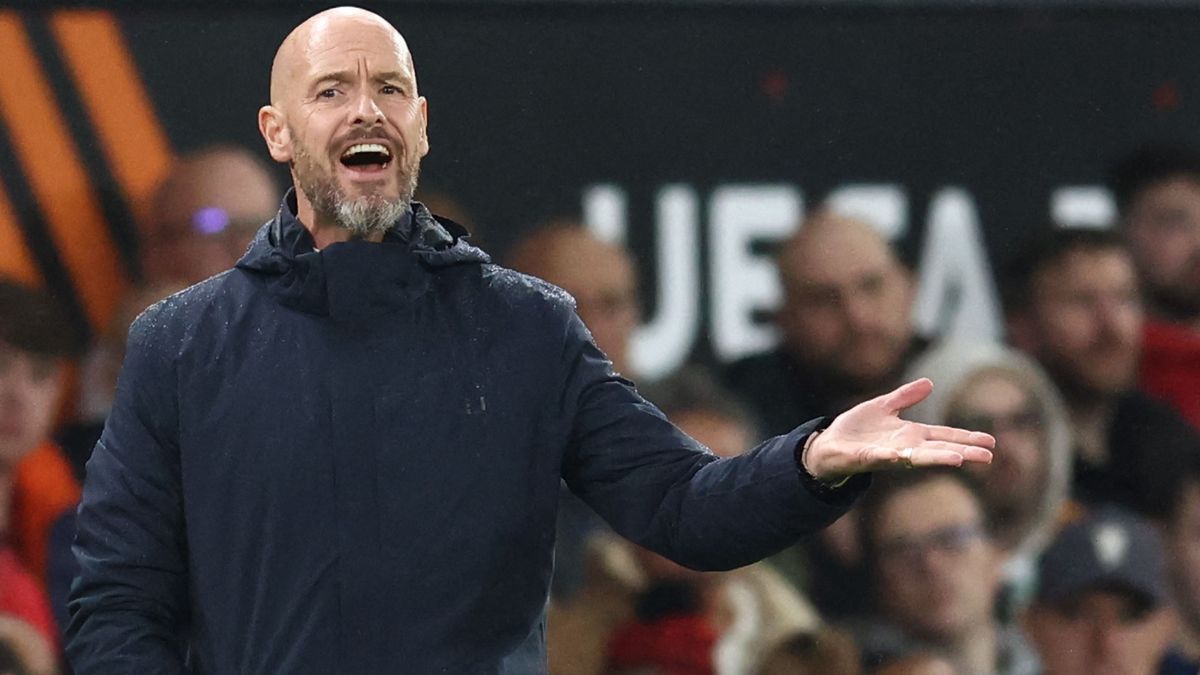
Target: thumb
(906, 395)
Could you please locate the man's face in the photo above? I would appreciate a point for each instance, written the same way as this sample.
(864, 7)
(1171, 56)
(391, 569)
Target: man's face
(937, 571)
(29, 389)
(993, 402)
(205, 215)
(1086, 321)
(847, 305)
(1183, 557)
(1163, 227)
(355, 126)
(1104, 632)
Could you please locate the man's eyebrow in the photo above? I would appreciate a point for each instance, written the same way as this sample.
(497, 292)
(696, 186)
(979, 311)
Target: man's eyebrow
(343, 76)
(335, 76)
(392, 76)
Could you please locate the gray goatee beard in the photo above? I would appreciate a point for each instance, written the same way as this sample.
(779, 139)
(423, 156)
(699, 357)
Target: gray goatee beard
(365, 216)
(362, 216)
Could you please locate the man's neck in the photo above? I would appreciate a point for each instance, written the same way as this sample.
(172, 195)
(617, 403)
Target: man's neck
(324, 229)
(1090, 421)
(976, 651)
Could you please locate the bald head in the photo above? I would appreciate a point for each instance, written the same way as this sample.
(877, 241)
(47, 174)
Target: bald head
(205, 213)
(847, 301)
(599, 275)
(321, 32)
(346, 118)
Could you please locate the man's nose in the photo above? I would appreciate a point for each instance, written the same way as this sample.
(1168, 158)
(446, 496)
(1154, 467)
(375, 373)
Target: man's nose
(366, 111)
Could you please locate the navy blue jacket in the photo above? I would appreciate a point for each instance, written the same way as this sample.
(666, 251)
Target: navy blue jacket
(348, 461)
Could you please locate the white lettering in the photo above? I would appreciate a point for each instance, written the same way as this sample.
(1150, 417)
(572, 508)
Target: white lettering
(743, 282)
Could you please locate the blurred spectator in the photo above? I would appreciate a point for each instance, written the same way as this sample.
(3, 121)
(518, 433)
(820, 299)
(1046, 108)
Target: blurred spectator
(1183, 565)
(1073, 303)
(444, 204)
(24, 651)
(936, 575)
(675, 619)
(1102, 605)
(204, 214)
(919, 663)
(35, 340)
(21, 595)
(846, 335)
(601, 278)
(845, 325)
(1158, 195)
(98, 375)
(827, 652)
(991, 388)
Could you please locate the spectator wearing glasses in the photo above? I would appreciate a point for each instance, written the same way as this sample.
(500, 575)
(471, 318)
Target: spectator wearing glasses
(1025, 490)
(936, 572)
(205, 212)
(1102, 605)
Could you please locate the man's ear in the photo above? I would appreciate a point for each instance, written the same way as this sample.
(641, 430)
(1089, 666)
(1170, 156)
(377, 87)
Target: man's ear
(424, 141)
(274, 130)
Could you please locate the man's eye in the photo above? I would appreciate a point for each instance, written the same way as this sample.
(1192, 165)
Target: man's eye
(327, 93)
(391, 89)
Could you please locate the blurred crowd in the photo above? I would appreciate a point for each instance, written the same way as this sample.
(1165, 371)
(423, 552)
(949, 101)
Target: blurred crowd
(1076, 552)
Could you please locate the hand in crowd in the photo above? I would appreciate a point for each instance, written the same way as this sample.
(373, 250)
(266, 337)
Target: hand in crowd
(871, 436)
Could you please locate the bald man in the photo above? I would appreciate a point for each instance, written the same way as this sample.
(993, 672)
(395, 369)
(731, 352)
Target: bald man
(343, 455)
(204, 214)
(845, 324)
(604, 287)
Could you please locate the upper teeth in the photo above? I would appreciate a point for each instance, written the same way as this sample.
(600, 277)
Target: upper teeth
(367, 147)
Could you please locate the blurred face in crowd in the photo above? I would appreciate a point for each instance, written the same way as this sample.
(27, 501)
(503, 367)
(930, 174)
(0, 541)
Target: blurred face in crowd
(724, 436)
(994, 402)
(1103, 632)
(919, 664)
(847, 300)
(598, 275)
(346, 116)
(205, 214)
(1162, 224)
(937, 571)
(1085, 321)
(29, 389)
(1183, 556)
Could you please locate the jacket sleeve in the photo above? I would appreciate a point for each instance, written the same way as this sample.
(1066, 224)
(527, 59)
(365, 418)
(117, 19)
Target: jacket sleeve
(663, 490)
(128, 605)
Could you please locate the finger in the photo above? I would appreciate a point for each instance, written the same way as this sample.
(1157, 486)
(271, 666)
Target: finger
(934, 432)
(969, 453)
(906, 395)
(893, 458)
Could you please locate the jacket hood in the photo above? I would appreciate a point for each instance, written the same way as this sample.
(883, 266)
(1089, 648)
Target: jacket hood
(355, 278)
(950, 365)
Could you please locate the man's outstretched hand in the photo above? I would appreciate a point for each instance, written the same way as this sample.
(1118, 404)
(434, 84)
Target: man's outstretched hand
(871, 436)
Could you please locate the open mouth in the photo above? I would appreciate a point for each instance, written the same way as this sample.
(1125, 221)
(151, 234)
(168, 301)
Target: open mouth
(366, 157)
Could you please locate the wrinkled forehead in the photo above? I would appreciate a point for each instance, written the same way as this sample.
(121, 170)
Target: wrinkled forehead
(343, 45)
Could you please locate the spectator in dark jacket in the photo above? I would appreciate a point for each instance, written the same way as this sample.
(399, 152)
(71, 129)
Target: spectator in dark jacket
(344, 455)
(1073, 304)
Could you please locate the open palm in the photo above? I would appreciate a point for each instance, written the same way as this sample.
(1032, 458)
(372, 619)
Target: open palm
(871, 436)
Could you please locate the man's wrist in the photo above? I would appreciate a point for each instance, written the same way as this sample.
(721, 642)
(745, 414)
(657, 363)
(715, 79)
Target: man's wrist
(802, 464)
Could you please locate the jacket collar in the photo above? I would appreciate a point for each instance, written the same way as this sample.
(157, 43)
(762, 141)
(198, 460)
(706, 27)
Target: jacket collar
(355, 279)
